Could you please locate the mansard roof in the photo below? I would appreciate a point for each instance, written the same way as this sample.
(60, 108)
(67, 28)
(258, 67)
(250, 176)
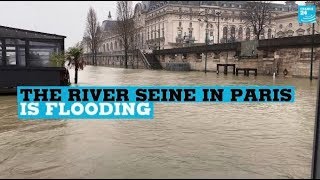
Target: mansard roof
(151, 5)
(108, 25)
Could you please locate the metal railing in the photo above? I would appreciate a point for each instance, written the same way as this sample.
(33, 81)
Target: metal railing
(144, 59)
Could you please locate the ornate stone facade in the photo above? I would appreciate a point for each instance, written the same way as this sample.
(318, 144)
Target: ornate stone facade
(171, 24)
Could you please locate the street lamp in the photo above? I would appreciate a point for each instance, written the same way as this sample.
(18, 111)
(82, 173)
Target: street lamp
(218, 15)
(206, 41)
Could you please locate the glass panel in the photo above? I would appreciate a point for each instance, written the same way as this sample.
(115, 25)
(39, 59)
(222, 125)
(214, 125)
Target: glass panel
(33, 43)
(11, 58)
(0, 57)
(21, 56)
(14, 42)
(40, 56)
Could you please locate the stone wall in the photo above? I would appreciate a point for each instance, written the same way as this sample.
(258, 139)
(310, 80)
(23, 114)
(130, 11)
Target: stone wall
(134, 62)
(295, 60)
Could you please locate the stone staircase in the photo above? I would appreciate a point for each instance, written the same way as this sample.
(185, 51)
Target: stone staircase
(150, 60)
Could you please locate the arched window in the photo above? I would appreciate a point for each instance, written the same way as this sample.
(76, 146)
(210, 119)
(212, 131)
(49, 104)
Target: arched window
(262, 34)
(248, 34)
(180, 24)
(116, 45)
(269, 33)
(111, 46)
(233, 32)
(120, 44)
(108, 47)
(225, 33)
(104, 48)
(240, 33)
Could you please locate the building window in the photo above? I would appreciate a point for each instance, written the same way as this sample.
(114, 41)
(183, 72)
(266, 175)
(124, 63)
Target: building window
(180, 24)
(190, 24)
(190, 34)
(233, 33)
(280, 26)
(225, 32)
(104, 48)
(248, 34)
(269, 33)
(179, 33)
(240, 32)
(290, 25)
(108, 47)
(262, 34)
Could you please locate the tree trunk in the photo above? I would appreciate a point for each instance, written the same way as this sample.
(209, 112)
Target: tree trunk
(126, 59)
(92, 57)
(76, 75)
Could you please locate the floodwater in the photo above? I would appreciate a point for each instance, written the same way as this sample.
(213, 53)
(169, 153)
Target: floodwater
(258, 140)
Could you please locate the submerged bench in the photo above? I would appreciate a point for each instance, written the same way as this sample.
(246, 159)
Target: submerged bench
(246, 71)
(226, 68)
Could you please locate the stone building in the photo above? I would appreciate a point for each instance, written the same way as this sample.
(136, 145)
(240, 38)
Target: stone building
(172, 24)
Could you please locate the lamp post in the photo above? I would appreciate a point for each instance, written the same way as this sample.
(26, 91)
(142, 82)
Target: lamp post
(218, 15)
(312, 45)
(206, 41)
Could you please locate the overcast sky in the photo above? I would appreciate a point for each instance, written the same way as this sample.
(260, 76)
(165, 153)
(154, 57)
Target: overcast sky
(58, 17)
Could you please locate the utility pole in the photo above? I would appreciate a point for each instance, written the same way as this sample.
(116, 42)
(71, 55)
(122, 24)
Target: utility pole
(218, 14)
(312, 45)
(206, 41)
(205, 63)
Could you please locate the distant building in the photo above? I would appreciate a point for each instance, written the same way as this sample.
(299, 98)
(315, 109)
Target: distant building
(171, 24)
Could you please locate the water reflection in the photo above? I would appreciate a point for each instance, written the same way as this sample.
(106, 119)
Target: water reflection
(183, 141)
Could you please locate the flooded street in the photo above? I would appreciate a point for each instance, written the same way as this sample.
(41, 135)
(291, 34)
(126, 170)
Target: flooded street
(257, 140)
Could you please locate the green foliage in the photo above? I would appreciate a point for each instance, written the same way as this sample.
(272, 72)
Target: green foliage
(57, 59)
(74, 58)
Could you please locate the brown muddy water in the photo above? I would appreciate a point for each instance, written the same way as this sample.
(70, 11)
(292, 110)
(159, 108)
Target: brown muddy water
(257, 140)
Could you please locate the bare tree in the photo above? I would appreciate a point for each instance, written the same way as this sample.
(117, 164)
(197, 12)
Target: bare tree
(125, 25)
(93, 33)
(257, 14)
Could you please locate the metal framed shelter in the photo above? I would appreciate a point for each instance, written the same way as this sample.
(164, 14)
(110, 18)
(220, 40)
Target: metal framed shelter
(25, 57)
(20, 47)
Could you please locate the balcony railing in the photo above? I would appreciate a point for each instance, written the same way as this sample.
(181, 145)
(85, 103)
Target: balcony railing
(156, 40)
